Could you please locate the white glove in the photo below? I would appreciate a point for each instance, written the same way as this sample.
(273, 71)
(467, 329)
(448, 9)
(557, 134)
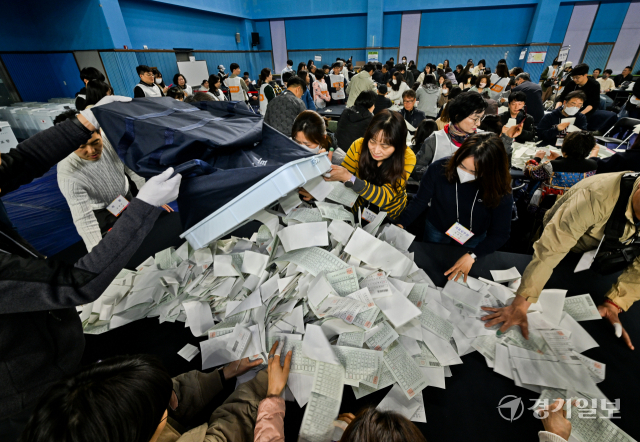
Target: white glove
(160, 190)
(105, 100)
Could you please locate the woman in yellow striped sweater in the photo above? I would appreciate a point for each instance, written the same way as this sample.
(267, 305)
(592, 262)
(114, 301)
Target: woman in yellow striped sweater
(378, 165)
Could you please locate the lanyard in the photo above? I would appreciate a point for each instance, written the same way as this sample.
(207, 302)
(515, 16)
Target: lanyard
(472, 206)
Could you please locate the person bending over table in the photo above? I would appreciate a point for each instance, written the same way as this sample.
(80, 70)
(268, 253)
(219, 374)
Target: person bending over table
(309, 130)
(577, 223)
(552, 130)
(377, 167)
(626, 160)
(133, 399)
(479, 221)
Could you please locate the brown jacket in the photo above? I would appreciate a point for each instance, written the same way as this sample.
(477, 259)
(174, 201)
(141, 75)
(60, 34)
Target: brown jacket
(576, 223)
(233, 421)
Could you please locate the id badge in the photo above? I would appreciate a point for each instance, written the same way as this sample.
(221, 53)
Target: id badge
(118, 205)
(460, 233)
(368, 215)
(559, 142)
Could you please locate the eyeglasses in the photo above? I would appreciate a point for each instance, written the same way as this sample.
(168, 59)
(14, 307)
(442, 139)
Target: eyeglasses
(476, 120)
(147, 74)
(409, 101)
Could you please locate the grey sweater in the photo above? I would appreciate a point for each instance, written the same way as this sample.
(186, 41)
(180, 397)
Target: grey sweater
(41, 337)
(282, 111)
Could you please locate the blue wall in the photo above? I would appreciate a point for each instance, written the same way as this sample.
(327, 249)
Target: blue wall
(39, 77)
(35, 25)
(392, 23)
(488, 26)
(348, 31)
(608, 22)
(561, 24)
(162, 26)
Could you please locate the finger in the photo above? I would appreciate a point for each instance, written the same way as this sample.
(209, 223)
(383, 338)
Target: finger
(273, 348)
(279, 349)
(276, 360)
(166, 174)
(627, 339)
(618, 329)
(498, 320)
(505, 326)
(465, 277)
(490, 309)
(524, 328)
(458, 275)
(287, 363)
(255, 363)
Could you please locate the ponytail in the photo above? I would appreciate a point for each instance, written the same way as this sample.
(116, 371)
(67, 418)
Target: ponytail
(264, 74)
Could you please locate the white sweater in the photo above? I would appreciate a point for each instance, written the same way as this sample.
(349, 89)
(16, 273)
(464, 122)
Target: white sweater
(93, 185)
(396, 96)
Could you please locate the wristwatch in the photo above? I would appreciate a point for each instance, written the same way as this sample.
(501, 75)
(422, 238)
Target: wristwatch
(473, 255)
(350, 182)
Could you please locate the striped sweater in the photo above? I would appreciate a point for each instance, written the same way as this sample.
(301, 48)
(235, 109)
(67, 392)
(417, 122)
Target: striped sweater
(385, 197)
(93, 185)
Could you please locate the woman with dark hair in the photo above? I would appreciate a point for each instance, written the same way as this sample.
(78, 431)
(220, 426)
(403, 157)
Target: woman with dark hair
(181, 81)
(373, 425)
(561, 172)
(625, 160)
(354, 120)
(499, 82)
(428, 70)
(266, 90)
(309, 130)
(465, 114)
(481, 84)
(214, 88)
(307, 97)
(397, 86)
(458, 211)
(321, 94)
(378, 165)
(96, 91)
(310, 63)
(133, 399)
(445, 89)
(204, 86)
(446, 65)
(301, 67)
(428, 95)
(424, 131)
(176, 93)
(158, 80)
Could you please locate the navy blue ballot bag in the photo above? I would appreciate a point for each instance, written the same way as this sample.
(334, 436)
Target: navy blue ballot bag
(220, 148)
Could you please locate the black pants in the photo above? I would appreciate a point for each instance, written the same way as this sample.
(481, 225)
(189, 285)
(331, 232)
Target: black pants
(11, 428)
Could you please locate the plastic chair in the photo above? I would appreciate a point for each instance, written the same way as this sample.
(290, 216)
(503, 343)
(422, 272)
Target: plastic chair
(624, 126)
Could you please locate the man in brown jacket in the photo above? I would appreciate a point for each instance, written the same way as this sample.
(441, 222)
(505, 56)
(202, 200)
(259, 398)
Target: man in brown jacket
(577, 223)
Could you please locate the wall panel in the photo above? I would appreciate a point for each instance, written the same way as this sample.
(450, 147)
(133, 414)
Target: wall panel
(121, 69)
(213, 59)
(166, 64)
(596, 56)
(347, 31)
(460, 55)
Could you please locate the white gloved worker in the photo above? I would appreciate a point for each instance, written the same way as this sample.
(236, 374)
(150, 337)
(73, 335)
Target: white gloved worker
(105, 100)
(160, 189)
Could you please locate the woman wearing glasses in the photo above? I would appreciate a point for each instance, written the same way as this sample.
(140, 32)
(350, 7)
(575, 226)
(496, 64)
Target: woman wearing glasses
(465, 114)
(471, 201)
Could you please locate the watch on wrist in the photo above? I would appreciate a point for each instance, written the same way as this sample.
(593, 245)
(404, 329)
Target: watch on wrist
(473, 255)
(350, 182)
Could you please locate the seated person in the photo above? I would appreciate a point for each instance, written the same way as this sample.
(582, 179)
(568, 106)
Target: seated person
(251, 91)
(561, 172)
(90, 179)
(354, 121)
(409, 112)
(533, 92)
(552, 130)
(606, 85)
(452, 186)
(199, 96)
(397, 87)
(180, 81)
(283, 109)
(176, 93)
(377, 166)
(147, 86)
(445, 88)
(517, 111)
(382, 102)
(133, 398)
(215, 90)
(481, 84)
(96, 90)
(597, 120)
(428, 94)
(625, 160)
(424, 131)
(624, 76)
(577, 223)
(465, 114)
(309, 130)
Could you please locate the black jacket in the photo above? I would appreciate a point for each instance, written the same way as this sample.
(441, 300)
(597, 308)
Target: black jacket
(41, 337)
(547, 128)
(533, 92)
(352, 125)
(619, 79)
(621, 161)
(81, 99)
(378, 77)
(592, 90)
(528, 128)
(414, 117)
(382, 102)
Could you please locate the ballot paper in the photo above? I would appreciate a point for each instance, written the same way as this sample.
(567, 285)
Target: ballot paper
(397, 309)
(581, 308)
(238, 341)
(189, 352)
(404, 370)
(340, 231)
(304, 235)
(344, 281)
(377, 285)
(318, 188)
(344, 308)
(290, 202)
(381, 337)
(511, 122)
(434, 323)
(560, 343)
(300, 363)
(397, 402)
(505, 275)
(351, 339)
(316, 346)
(199, 317)
(324, 403)
(314, 260)
(342, 194)
(361, 365)
(596, 369)
(378, 254)
(334, 212)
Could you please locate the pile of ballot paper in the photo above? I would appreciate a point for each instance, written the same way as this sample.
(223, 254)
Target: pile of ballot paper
(353, 307)
(523, 152)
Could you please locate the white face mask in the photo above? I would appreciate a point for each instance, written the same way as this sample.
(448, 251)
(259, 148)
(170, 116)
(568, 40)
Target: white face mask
(465, 176)
(394, 81)
(483, 85)
(571, 110)
(158, 80)
(445, 91)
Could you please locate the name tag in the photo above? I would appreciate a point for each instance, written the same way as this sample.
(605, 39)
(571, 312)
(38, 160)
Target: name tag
(460, 233)
(234, 89)
(118, 205)
(368, 215)
(559, 141)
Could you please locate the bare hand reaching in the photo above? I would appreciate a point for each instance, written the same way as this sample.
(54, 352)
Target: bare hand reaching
(278, 374)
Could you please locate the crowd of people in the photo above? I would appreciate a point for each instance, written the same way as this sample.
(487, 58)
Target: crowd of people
(450, 132)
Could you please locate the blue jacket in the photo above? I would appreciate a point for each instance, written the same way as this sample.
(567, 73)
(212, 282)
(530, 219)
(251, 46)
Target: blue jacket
(307, 99)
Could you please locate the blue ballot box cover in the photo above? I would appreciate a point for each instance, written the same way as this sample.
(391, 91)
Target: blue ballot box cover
(220, 148)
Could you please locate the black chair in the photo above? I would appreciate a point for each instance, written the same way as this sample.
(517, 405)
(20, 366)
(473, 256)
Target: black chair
(623, 126)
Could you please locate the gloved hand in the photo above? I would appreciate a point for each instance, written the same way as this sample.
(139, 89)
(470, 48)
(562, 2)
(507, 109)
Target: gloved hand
(105, 100)
(160, 189)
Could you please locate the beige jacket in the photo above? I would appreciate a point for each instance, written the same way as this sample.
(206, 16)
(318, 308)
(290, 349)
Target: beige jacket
(233, 421)
(576, 223)
(359, 83)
